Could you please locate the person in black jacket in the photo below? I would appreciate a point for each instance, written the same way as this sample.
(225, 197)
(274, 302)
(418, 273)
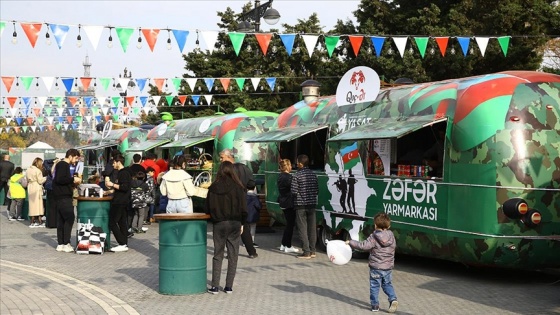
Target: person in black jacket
(63, 188)
(119, 205)
(286, 202)
(6, 171)
(226, 203)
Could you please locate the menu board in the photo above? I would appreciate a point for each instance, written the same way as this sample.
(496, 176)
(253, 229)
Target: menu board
(383, 149)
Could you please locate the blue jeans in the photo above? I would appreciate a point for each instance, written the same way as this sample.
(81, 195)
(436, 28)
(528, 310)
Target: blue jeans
(381, 278)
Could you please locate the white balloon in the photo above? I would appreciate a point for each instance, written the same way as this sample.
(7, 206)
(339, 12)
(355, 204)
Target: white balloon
(338, 252)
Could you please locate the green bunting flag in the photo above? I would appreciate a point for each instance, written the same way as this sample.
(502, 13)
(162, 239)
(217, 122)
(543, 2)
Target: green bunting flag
(237, 41)
(124, 36)
(331, 42)
(422, 43)
(504, 43)
(169, 99)
(240, 83)
(116, 100)
(105, 83)
(176, 83)
(2, 26)
(26, 82)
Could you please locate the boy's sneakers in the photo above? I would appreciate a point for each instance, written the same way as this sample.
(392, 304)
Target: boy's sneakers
(228, 290)
(290, 249)
(213, 290)
(19, 218)
(283, 248)
(393, 306)
(313, 255)
(119, 248)
(304, 256)
(60, 248)
(34, 225)
(255, 245)
(42, 225)
(67, 248)
(12, 218)
(375, 308)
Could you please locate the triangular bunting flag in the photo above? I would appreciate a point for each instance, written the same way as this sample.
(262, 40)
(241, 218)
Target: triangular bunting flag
(37, 111)
(124, 34)
(195, 99)
(94, 34)
(151, 36)
(32, 31)
(182, 99)
(464, 42)
(210, 38)
(8, 81)
(42, 100)
(143, 100)
(255, 82)
(116, 100)
(236, 41)
(85, 83)
(442, 44)
(141, 83)
(271, 83)
(482, 44)
(181, 38)
(209, 83)
(159, 83)
(225, 83)
(68, 83)
(400, 42)
(72, 100)
(208, 99)
(169, 99)
(26, 81)
(264, 41)
(192, 83)
(288, 41)
(422, 43)
(88, 100)
(310, 42)
(331, 42)
(59, 32)
(156, 99)
(240, 83)
(130, 100)
(356, 42)
(12, 100)
(48, 82)
(378, 44)
(176, 83)
(105, 83)
(504, 44)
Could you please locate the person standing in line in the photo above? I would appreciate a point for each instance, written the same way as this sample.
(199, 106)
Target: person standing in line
(381, 244)
(119, 204)
(17, 184)
(253, 210)
(245, 175)
(227, 206)
(6, 171)
(139, 199)
(49, 166)
(178, 186)
(149, 161)
(63, 186)
(35, 181)
(150, 180)
(306, 189)
(286, 202)
(136, 167)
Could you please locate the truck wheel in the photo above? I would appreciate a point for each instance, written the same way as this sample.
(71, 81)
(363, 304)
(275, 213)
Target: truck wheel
(323, 236)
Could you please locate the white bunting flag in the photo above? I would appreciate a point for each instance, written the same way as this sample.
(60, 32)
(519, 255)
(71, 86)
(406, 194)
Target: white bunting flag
(310, 43)
(482, 44)
(93, 32)
(400, 42)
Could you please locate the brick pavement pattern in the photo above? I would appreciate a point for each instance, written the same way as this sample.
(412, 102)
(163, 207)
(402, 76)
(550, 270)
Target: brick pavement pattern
(35, 279)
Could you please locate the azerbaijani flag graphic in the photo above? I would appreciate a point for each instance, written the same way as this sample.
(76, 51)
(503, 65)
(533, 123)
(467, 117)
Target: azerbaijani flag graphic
(350, 156)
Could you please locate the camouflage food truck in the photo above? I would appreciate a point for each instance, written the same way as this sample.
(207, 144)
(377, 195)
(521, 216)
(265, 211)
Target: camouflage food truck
(468, 169)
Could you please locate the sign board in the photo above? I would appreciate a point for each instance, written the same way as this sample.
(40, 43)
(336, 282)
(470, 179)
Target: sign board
(383, 149)
(358, 85)
(204, 126)
(107, 129)
(162, 128)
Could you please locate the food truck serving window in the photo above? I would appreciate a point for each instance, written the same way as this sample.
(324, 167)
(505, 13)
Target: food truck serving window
(99, 146)
(146, 145)
(400, 147)
(187, 142)
(309, 140)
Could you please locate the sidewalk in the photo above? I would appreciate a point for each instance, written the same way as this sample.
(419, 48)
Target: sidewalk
(35, 279)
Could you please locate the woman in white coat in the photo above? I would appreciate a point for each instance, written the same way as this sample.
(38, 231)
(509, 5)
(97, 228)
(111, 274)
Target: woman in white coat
(178, 186)
(35, 181)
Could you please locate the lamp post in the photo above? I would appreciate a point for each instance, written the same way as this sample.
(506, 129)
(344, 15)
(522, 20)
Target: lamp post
(270, 15)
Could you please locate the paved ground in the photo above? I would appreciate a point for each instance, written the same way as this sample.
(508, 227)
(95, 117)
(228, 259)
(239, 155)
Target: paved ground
(35, 279)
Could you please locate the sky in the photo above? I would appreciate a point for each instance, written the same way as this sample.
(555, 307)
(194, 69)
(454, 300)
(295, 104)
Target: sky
(43, 60)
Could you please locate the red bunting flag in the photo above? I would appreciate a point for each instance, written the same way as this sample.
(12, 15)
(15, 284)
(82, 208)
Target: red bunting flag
(159, 82)
(83, 110)
(12, 100)
(69, 119)
(356, 42)
(32, 31)
(17, 129)
(151, 37)
(8, 81)
(182, 99)
(264, 41)
(130, 100)
(225, 83)
(442, 44)
(125, 110)
(85, 83)
(29, 120)
(72, 100)
(51, 127)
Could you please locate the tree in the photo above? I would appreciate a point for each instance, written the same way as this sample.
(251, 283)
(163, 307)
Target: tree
(10, 140)
(53, 138)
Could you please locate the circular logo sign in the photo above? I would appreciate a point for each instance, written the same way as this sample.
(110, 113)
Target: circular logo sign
(107, 129)
(204, 126)
(358, 85)
(162, 128)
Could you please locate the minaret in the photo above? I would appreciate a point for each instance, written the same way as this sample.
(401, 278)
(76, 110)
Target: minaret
(87, 66)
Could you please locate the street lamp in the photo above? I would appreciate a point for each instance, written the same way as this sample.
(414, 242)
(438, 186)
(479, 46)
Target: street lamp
(310, 90)
(271, 16)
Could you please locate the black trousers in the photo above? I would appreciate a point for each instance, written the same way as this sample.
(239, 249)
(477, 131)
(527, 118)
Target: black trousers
(290, 215)
(65, 220)
(247, 239)
(118, 224)
(4, 187)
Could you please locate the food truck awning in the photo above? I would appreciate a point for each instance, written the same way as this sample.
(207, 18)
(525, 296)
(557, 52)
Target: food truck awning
(146, 145)
(285, 134)
(387, 128)
(98, 146)
(187, 142)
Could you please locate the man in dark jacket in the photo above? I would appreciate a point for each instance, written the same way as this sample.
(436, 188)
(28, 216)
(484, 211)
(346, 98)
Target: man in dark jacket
(6, 171)
(119, 205)
(245, 176)
(305, 189)
(63, 188)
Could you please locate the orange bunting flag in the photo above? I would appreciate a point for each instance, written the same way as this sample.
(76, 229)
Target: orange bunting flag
(37, 110)
(130, 100)
(17, 129)
(51, 127)
(83, 110)
(12, 100)
(225, 83)
(72, 101)
(442, 44)
(159, 83)
(151, 37)
(29, 120)
(356, 42)
(107, 117)
(264, 41)
(32, 31)
(85, 83)
(8, 81)
(125, 110)
(70, 119)
(182, 99)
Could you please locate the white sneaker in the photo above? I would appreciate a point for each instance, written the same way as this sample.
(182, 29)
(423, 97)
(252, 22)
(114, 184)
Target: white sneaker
(60, 248)
(68, 248)
(291, 250)
(42, 225)
(144, 229)
(282, 248)
(119, 248)
(33, 225)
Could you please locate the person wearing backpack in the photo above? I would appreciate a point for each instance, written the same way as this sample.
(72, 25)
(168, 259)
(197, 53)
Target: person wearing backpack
(17, 184)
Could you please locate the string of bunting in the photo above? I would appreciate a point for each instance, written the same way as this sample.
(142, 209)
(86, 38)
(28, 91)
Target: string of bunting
(87, 83)
(125, 35)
